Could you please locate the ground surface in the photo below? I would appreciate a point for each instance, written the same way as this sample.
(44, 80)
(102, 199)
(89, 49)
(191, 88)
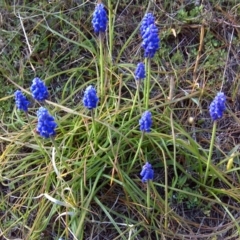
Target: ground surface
(99, 194)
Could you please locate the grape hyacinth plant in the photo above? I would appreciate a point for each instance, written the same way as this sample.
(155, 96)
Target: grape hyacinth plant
(99, 20)
(139, 74)
(90, 101)
(150, 45)
(145, 121)
(216, 109)
(140, 71)
(90, 98)
(151, 41)
(99, 23)
(21, 101)
(39, 90)
(147, 172)
(46, 124)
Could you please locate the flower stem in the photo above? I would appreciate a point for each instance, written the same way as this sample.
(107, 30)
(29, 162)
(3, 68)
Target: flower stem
(34, 135)
(94, 128)
(101, 63)
(210, 151)
(136, 98)
(147, 82)
(148, 200)
(138, 94)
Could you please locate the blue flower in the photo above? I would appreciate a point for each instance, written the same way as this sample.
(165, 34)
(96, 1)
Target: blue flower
(140, 71)
(39, 89)
(99, 20)
(145, 121)
(90, 98)
(146, 22)
(147, 172)
(151, 41)
(21, 101)
(46, 124)
(217, 106)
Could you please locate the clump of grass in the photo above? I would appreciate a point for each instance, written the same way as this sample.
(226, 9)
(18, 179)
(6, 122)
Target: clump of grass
(87, 181)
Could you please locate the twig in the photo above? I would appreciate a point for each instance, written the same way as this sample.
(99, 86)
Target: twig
(28, 44)
(225, 68)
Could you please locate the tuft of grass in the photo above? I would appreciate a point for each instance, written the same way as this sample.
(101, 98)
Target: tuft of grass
(88, 184)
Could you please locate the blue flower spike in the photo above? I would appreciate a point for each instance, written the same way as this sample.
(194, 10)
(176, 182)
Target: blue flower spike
(99, 21)
(46, 124)
(147, 172)
(145, 121)
(39, 90)
(151, 41)
(140, 71)
(146, 22)
(90, 98)
(217, 107)
(21, 101)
